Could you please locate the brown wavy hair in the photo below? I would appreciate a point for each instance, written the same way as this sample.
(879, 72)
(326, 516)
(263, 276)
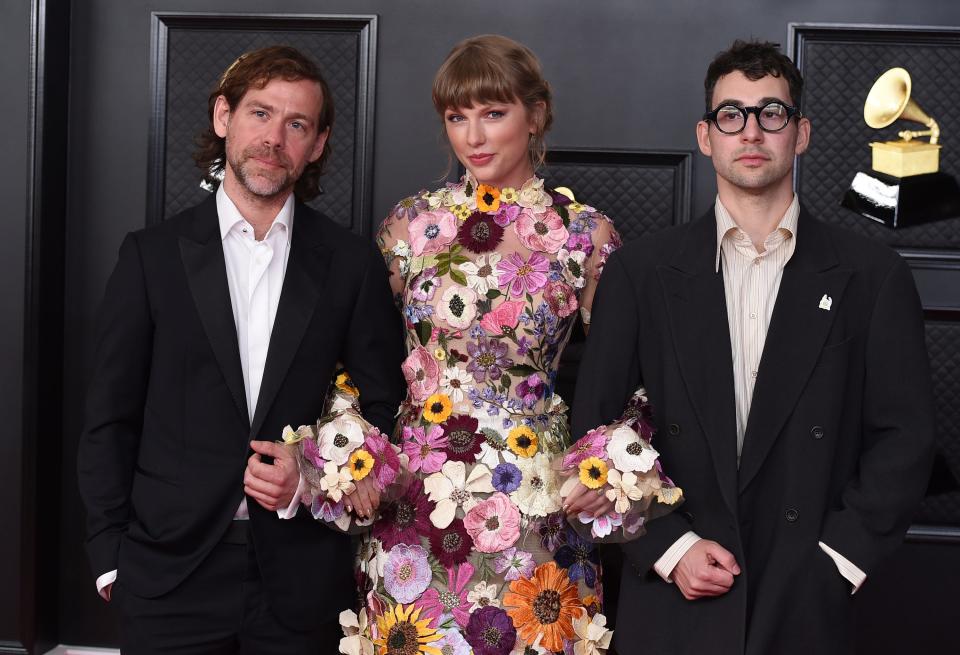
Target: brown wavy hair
(256, 69)
(493, 68)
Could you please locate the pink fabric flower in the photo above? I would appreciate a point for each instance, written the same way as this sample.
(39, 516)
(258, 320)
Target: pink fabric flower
(507, 314)
(592, 444)
(520, 275)
(422, 373)
(386, 463)
(406, 573)
(507, 214)
(311, 453)
(425, 450)
(543, 232)
(493, 524)
(453, 601)
(561, 298)
(432, 231)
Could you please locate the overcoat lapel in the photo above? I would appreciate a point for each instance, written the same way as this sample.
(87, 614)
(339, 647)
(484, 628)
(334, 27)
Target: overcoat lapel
(694, 296)
(307, 270)
(201, 251)
(797, 332)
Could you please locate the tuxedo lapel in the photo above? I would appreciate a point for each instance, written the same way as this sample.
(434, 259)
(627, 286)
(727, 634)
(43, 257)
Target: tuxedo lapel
(694, 296)
(201, 251)
(798, 330)
(302, 286)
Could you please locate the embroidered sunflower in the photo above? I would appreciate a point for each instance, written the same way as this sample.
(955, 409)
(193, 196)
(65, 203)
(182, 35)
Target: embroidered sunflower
(438, 408)
(523, 441)
(593, 472)
(361, 463)
(345, 384)
(402, 633)
(545, 604)
(488, 198)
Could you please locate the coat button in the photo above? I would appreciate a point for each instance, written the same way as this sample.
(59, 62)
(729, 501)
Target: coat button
(817, 432)
(674, 429)
(791, 515)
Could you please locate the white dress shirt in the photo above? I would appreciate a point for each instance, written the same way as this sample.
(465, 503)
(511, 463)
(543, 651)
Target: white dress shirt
(751, 282)
(255, 272)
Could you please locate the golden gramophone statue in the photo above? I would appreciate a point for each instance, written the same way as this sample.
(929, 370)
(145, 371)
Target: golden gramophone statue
(906, 186)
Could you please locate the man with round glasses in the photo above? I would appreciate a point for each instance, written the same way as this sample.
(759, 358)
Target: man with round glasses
(785, 362)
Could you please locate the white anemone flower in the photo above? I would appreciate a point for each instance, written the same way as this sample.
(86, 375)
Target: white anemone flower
(629, 452)
(340, 437)
(355, 627)
(481, 273)
(456, 383)
(336, 481)
(539, 492)
(451, 488)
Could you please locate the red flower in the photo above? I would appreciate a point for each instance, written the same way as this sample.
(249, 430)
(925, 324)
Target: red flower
(450, 545)
(480, 233)
(463, 440)
(403, 521)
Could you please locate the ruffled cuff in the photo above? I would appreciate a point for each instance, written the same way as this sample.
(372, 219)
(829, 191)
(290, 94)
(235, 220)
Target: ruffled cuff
(619, 461)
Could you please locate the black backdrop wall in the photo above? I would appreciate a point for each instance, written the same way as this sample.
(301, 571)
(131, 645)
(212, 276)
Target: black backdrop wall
(627, 75)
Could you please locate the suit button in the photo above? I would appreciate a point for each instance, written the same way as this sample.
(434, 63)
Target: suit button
(817, 432)
(674, 429)
(791, 515)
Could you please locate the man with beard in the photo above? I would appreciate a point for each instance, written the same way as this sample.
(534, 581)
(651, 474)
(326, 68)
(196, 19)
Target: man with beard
(785, 362)
(220, 326)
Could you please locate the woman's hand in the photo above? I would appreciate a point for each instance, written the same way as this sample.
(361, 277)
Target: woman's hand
(364, 499)
(584, 499)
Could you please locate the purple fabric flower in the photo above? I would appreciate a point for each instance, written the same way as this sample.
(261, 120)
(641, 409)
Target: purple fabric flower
(491, 632)
(506, 477)
(553, 531)
(386, 463)
(523, 276)
(559, 199)
(506, 215)
(514, 564)
(323, 509)
(403, 521)
(530, 390)
(580, 557)
(488, 358)
(592, 444)
(311, 452)
(425, 284)
(580, 241)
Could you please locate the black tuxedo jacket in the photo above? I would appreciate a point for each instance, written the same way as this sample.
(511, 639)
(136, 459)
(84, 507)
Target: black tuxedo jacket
(837, 448)
(167, 433)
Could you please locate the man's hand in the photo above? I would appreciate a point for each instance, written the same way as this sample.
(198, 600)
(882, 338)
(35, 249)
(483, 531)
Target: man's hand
(707, 569)
(271, 485)
(364, 499)
(583, 499)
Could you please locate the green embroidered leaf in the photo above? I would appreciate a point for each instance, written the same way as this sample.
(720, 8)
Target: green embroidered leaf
(506, 382)
(492, 294)
(564, 214)
(443, 268)
(469, 189)
(457, 276)
(521, 370)
(424, 330)
(459, 259)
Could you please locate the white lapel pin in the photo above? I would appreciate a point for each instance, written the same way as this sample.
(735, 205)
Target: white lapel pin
(826, 302)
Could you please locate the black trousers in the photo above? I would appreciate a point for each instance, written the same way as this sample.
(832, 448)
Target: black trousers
(219, 610)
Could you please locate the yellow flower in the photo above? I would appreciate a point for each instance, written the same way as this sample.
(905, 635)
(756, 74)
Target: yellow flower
(669, 495)
(593, 472)
(488, 198)
(345, 384)
(523, 441)
(566, 192)
(401, 633)
(438, 408)
(361, 463)
(576, 207)
(440, 354)
(508, 195)
(461, 211)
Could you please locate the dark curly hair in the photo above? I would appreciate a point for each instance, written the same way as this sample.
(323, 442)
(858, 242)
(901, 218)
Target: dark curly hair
(755, 59)
(256, 69)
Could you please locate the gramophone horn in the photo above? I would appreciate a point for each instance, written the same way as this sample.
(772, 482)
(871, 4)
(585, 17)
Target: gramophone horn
(889, 99)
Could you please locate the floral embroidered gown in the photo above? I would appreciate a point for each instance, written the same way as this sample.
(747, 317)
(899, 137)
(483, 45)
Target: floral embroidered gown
(476, 555)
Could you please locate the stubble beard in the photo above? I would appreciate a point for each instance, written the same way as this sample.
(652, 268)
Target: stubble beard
(258, 180)
(765, 176)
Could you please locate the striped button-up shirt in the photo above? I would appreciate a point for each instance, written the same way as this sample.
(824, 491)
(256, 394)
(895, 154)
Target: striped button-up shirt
(751, 280)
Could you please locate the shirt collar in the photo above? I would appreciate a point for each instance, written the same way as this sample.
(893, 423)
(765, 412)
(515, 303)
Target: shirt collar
(727, 226)
(229, 216)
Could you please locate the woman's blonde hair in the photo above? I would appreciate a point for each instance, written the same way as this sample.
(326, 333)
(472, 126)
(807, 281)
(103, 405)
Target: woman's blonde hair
(493, 68)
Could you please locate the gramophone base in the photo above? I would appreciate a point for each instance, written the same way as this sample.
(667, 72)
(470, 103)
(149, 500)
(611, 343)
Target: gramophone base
(902, 202)
(905, 158)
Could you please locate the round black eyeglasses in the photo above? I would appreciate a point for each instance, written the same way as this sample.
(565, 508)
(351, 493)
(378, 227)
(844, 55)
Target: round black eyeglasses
(772, 117)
